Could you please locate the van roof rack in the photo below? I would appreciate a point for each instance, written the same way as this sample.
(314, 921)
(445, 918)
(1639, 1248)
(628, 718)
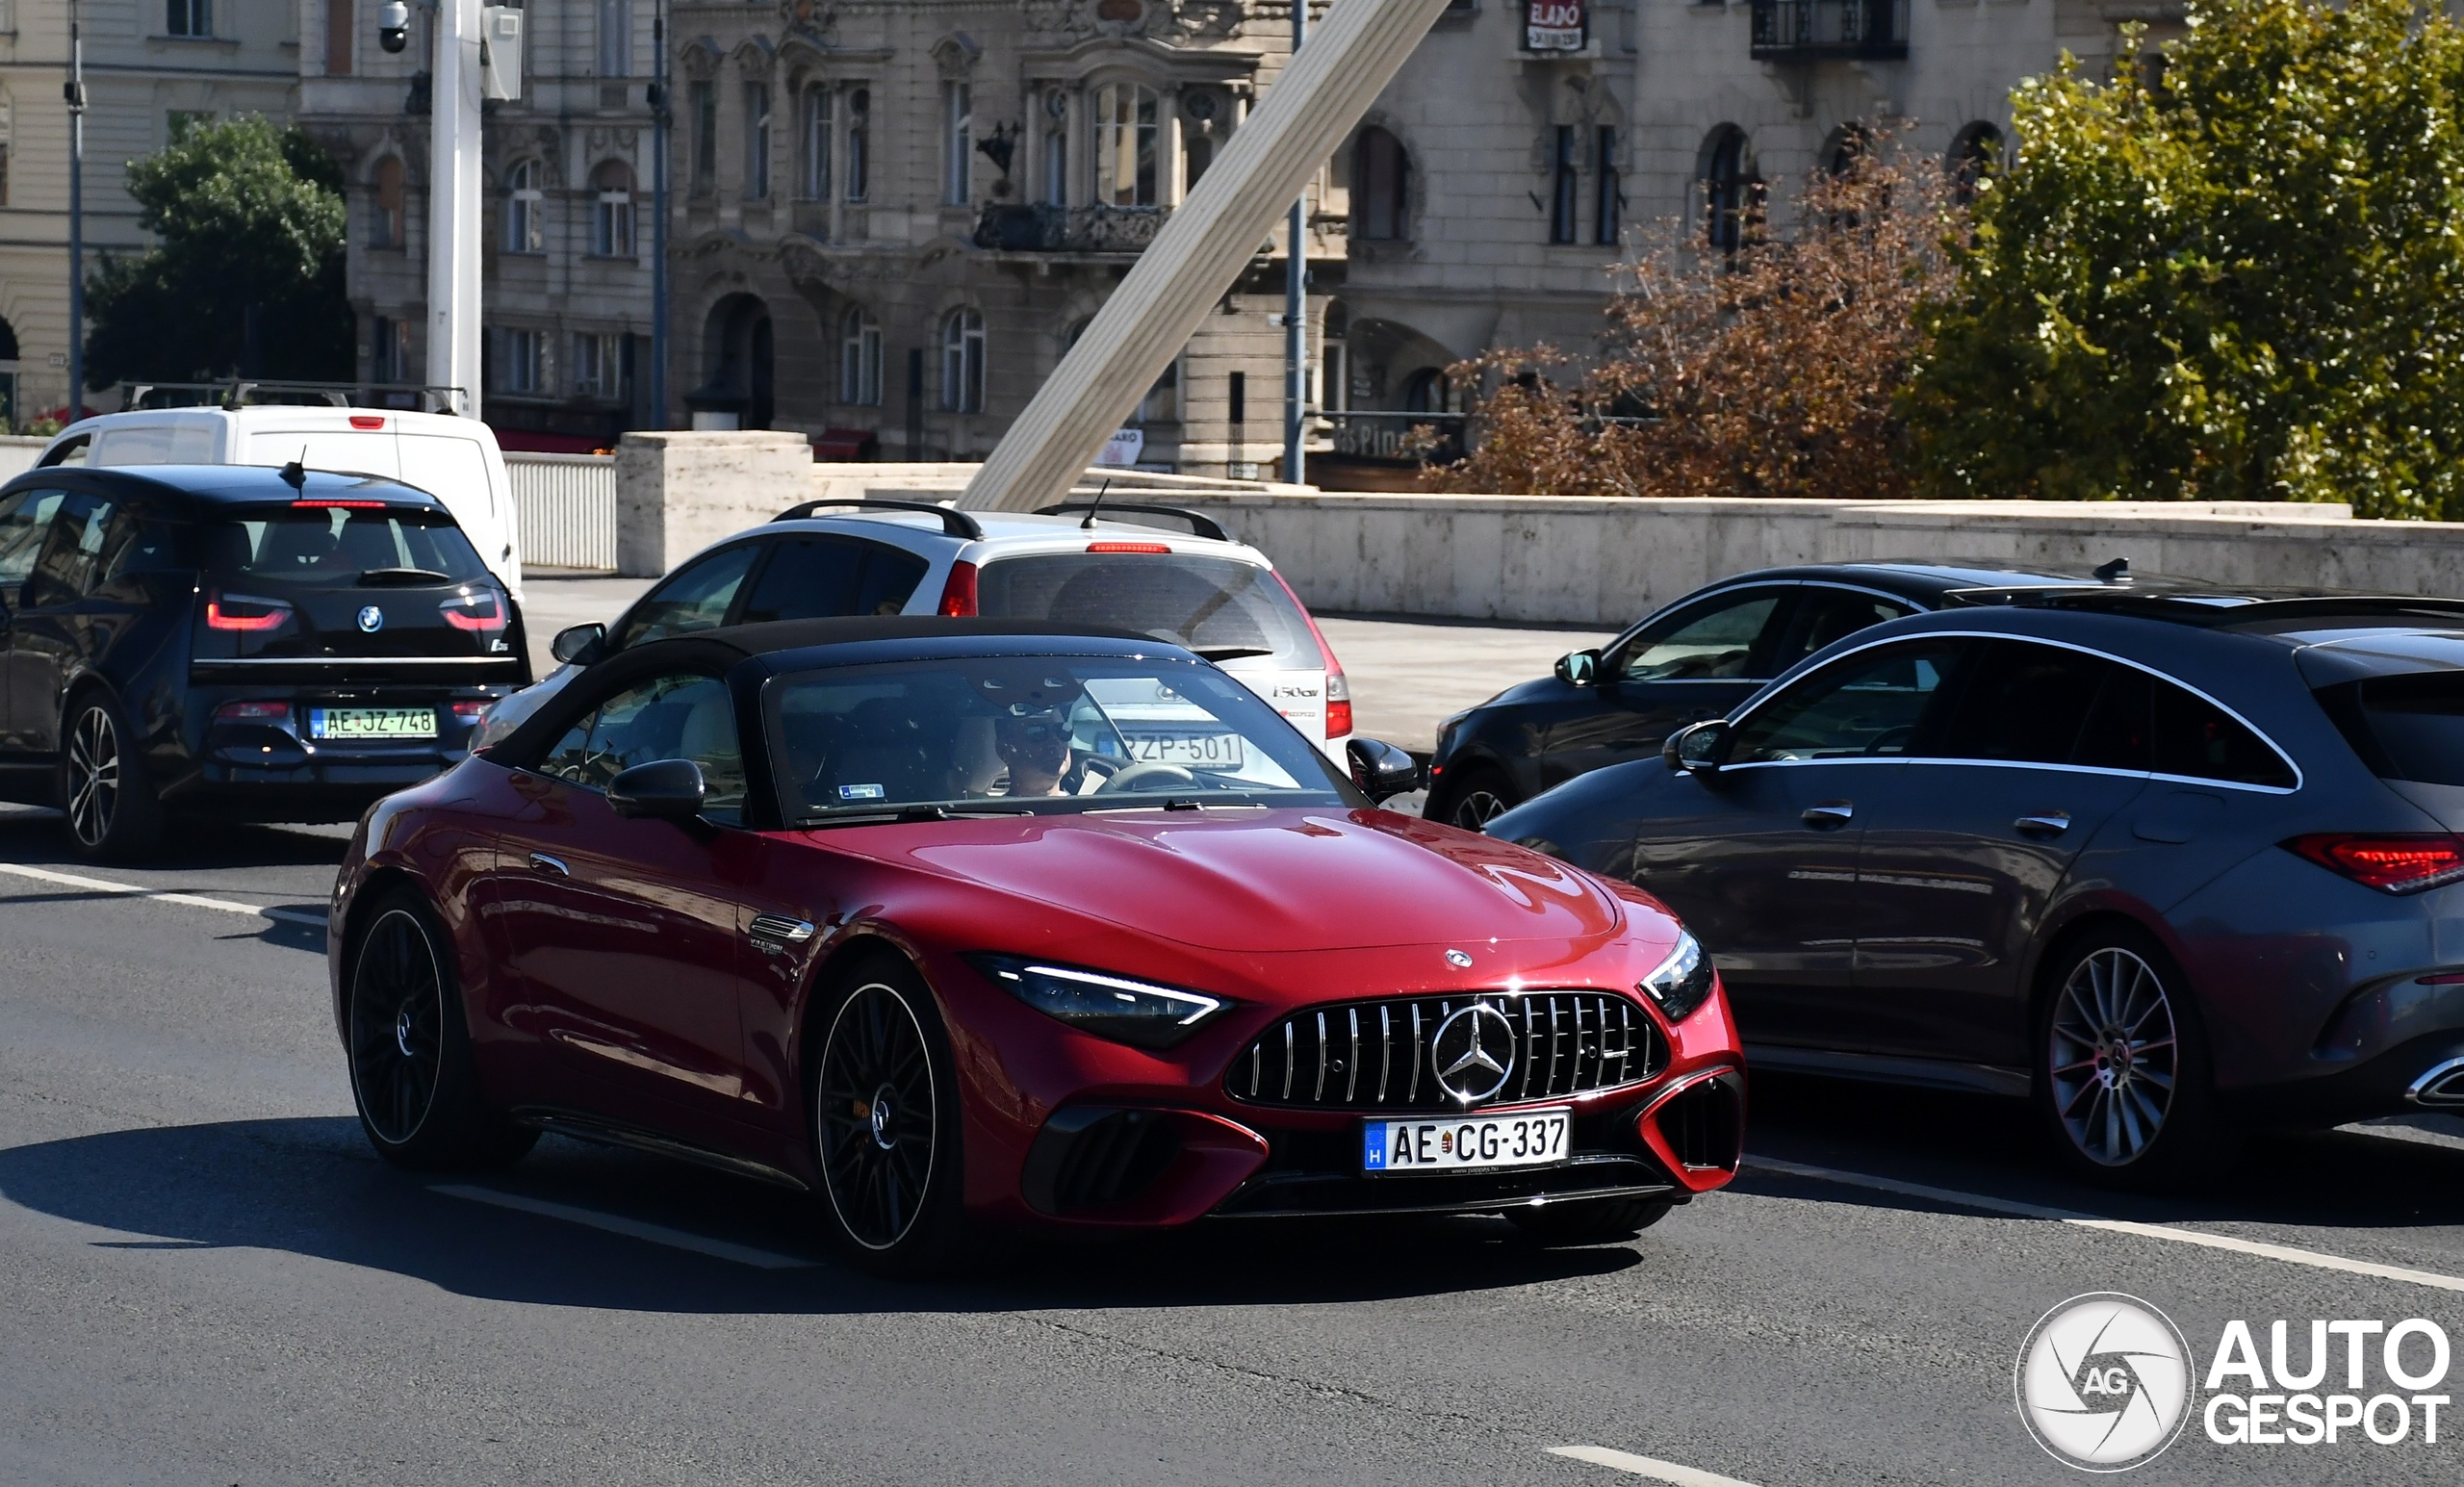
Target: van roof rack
(1200, 523)
(260, 391)
(956, 522)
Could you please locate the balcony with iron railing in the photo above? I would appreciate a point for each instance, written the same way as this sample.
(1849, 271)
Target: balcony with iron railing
(1823, 30)
(1013, 227)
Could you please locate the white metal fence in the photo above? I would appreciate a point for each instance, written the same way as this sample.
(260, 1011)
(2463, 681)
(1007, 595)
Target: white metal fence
(566, 507)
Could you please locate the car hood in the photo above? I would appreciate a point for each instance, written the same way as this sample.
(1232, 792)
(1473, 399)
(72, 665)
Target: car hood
(1263, 882)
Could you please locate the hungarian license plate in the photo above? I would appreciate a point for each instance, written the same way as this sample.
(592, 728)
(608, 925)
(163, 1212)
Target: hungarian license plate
(371, 723)
(1208, 751)
(1464, 1144)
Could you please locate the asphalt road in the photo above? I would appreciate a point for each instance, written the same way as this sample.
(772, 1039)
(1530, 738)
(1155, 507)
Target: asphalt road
(209, 1279)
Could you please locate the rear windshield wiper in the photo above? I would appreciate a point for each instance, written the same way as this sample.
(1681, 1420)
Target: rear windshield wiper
(1230, 652)
(400, 577)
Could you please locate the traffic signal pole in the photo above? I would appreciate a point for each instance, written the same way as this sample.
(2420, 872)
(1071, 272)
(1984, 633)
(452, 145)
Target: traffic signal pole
(454, 206)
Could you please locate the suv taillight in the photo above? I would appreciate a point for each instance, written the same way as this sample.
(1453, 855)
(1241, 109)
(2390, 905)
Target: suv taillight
(1338, 704)
(2392, 862)
(240, 612)
(483, 611)
(958, 594)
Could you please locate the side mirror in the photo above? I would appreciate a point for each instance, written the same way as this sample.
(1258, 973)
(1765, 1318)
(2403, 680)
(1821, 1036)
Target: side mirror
(1698, 749)
(662, 790)
(1380, 769)
(580, 645)
(1578, 668)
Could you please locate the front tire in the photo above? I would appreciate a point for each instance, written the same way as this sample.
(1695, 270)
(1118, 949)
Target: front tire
(884, 1103)
(412, 1074)
(1478, 799)
(1596, 1221)
(2123, 1087)
(109, 799)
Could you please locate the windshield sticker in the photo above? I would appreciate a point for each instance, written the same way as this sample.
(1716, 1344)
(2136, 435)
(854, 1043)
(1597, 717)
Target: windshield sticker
(862, 792)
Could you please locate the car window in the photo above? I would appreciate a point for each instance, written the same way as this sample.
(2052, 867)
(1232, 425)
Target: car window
(2404, 727)
(696, 598)
(816, 577)
(132, 544)
(2199, 738)
(331, 545)
(350, 451)
(453, 470)
(1824, 614)
(70, 452)
(1220, 607)
(673, 717)
(65, 569)
(1873, 703)
(1712, 641)
(24, 518)
(2024, 704)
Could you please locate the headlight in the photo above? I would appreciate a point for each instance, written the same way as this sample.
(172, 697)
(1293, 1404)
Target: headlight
(1137, 1012)
(1683, 982)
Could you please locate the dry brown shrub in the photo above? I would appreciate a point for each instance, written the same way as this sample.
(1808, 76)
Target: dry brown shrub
(1771, 372)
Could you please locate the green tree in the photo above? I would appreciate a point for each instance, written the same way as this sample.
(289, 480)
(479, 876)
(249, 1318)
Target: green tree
(2241, 277)
(245, 274)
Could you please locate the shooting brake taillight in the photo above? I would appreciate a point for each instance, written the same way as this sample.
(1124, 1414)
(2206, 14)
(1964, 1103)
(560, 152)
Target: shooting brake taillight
(2392, 862)
(1127, 546)
(958, 594)
(270, 714)
(240, 612)
(482, 612)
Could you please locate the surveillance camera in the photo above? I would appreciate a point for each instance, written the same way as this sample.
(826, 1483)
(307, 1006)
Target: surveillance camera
(393, 25)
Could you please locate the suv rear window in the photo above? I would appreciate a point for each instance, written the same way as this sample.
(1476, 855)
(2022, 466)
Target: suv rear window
(1222, 609)
(2404, 727)
(337, 545)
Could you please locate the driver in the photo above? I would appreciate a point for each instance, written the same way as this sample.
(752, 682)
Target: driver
(1032, 739)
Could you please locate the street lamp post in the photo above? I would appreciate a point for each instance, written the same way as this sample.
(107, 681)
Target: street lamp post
(662, 117)
(1295, 307)
(76, 96)
(454, 206)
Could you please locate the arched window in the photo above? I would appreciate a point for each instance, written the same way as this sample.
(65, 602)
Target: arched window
(859, 142)
(1428, 390)
(1056, 148)
(958, 129)
(525, 217)
(1125, 145)
(1380, 187)
(757, 142)
(1975, 152)
(962, 362)
(1732, 189)
(387, 227)
(611, 213)
(1848, 150)
(860, 358)
(819, 118)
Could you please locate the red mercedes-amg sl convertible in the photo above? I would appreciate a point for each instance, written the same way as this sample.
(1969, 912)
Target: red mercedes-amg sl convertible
(958, 922)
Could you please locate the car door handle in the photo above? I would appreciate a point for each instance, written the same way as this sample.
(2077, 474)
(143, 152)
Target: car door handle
(1830, 815)
(2050, 823)
(548, 865)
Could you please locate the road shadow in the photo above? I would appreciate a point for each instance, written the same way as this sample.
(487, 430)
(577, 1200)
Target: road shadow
(1980, 1144)
(39, 838)
(312, 1187)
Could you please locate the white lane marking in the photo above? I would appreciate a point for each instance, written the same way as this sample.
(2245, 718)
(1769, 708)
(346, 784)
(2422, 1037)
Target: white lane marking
(1645, 1466)
(193, 901)
(631, 1228)
(2155, 1231)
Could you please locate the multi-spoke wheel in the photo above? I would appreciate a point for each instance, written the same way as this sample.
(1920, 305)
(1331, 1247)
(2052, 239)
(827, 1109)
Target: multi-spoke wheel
(103, 790)
(411, 1070)
(884, 1121)
(1481, 800)
(2122, 1077)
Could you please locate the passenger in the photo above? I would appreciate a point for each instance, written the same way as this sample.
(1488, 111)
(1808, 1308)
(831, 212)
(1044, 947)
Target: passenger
(1034, 741)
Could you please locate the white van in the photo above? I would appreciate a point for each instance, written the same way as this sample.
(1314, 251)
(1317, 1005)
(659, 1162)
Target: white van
(455, 459)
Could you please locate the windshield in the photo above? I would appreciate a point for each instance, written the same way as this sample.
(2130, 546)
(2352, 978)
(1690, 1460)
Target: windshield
(342, 545)
(1041, 733)
(1222, 609)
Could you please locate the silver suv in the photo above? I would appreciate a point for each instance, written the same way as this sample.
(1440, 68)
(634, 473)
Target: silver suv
(1079, 563)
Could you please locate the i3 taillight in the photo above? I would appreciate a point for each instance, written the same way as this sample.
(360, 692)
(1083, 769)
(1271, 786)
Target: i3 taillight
(482, 612)
(240, 612)
(958, 594)
(2391, 861)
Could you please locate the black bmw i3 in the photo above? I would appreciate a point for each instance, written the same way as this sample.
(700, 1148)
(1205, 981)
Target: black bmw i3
(236, 642)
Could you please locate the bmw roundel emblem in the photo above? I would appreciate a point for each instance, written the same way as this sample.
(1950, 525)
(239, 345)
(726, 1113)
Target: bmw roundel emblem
(371, 619)
(1460, 960)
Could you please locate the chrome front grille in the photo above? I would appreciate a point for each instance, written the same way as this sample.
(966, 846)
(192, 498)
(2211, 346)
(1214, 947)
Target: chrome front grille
(1379, 1055)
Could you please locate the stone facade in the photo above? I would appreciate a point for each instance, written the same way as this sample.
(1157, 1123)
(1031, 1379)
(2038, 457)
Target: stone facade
(149, 64)
(566, 223)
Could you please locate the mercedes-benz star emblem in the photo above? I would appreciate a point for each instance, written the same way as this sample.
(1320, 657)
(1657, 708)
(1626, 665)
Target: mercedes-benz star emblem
(1474, 1053)
(371, 619)
(1460, 960)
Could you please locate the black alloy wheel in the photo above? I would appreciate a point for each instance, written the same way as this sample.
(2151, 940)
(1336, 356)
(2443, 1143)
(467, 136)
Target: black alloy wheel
(2123, 1078)
(1588, 1221)
(1480, 798)
(411, 1071)
(885, 1122)
(112, 814)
